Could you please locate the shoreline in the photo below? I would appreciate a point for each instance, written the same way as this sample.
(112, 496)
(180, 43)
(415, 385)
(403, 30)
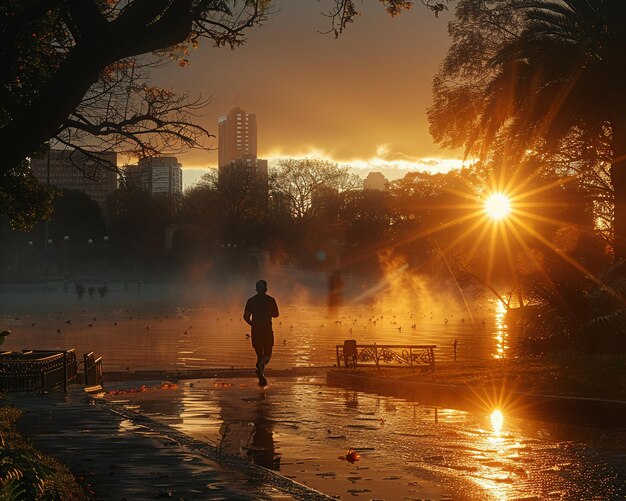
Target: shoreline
(473, 386)
(118, 439)
(212, 373)
(560, 408)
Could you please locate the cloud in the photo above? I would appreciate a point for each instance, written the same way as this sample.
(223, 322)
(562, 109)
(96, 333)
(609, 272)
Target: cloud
(393, 164)
(382, 150)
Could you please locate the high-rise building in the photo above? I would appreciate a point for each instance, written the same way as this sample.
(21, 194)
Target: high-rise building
(157, 175)
(375, 181)
(240, 172)
(94, 174)
(236, 136)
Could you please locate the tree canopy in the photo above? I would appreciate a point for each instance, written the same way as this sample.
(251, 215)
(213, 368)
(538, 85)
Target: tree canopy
(76, 72)
(526, 78)
(301, 181)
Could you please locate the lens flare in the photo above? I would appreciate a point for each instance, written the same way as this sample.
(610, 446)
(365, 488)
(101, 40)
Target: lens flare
(497, 420)
(498, 206)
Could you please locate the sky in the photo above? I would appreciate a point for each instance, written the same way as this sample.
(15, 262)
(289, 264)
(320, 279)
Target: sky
(360, 99)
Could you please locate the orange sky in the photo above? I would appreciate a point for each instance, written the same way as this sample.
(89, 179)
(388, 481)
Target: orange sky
(359, 99)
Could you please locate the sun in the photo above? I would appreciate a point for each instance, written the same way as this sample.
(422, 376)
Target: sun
(498, 206)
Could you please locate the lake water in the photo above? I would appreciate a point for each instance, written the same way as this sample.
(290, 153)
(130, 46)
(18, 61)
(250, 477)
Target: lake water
(184, 328)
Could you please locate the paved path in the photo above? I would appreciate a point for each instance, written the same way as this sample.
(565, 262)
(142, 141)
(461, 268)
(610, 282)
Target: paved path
(158, 443)
(121, 456)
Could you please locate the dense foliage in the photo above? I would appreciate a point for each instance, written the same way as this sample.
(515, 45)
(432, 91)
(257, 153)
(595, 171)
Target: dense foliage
(540, 80)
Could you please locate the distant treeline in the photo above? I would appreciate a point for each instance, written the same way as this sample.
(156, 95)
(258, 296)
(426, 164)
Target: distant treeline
(314, 214)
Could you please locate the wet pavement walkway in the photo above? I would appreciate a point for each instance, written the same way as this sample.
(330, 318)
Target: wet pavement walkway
(301, 427)
(119, 455)
(225, 438)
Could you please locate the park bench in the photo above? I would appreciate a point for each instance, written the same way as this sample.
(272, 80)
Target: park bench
(419, 356)
(37, 370)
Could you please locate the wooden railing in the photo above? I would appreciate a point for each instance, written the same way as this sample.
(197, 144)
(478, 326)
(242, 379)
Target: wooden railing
(351, 354)
(37, 370)
(93, 370)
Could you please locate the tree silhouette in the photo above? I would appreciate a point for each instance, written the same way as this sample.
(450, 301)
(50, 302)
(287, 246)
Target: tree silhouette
(535, 75)
(137, 223)
(367, 217)
(71, 72)
(75, 213)
(302, 181)
(79, 43)
(77, 72)
(238, 199)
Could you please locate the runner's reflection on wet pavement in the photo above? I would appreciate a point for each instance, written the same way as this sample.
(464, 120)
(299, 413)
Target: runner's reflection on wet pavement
(262, 450)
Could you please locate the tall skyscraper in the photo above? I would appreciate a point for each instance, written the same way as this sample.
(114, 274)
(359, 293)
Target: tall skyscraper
(236, 136)
(93, 174)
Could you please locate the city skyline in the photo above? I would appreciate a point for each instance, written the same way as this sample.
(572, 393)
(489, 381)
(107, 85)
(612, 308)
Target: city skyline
(327, 98)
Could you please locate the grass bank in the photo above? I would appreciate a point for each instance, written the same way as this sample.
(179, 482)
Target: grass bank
(571, 375)
(25, 472)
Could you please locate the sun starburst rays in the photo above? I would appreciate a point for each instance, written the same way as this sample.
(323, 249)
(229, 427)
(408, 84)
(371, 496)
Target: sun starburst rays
(501, 221)
(502, 229)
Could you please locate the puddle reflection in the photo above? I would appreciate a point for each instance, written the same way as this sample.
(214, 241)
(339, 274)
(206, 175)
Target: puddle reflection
(262, 449)
(301, 427)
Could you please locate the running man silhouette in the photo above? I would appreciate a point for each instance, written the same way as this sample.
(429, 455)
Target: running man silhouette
(259, 311)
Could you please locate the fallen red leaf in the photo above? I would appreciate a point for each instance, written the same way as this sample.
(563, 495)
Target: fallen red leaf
(351, 456)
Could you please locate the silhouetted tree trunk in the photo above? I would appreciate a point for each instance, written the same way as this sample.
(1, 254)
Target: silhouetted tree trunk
(618, 180)
(101, 43)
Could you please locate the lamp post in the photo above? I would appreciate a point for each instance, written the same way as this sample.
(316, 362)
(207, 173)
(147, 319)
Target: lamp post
(90, 245)
(106, 260)
(30, 252)
(47, 255)
(46, 240)
(231, 249)
(66, 268)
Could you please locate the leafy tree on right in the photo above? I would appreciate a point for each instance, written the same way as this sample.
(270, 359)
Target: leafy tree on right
(538, 78)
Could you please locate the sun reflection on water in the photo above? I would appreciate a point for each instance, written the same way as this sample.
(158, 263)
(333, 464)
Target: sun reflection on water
(502, 335)
(497, 420)
(499, 458)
